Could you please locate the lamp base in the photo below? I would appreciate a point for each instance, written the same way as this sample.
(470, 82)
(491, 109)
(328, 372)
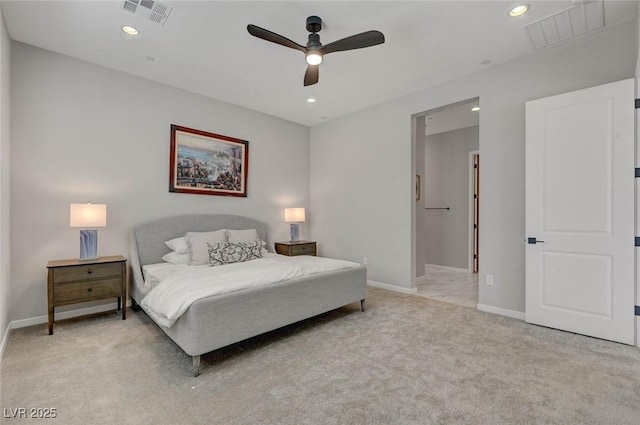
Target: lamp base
(294, 229)
(88, 245)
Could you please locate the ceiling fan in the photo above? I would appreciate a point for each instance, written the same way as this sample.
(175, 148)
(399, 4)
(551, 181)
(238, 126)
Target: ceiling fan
(314, 50)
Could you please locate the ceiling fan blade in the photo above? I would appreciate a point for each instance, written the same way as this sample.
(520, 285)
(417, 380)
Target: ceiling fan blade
(273, 37)
(311, 76)
(358, 41)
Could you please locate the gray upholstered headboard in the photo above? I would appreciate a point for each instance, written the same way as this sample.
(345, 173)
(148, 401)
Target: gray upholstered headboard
(149, 237)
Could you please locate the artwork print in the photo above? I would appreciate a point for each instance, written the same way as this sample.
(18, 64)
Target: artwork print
(207, 163)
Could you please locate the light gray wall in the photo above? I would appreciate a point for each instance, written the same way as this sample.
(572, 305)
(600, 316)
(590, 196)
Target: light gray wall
(81, 132)
(362, 169)
(362, 191)
(5, 253)
(446, 232)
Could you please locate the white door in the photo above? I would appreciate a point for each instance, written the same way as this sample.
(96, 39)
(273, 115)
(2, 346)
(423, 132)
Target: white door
(580, 208)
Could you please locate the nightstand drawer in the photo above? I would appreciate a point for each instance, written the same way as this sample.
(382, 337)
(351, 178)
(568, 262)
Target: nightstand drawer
(303, 249)
(90, 271)
(293, 248)
(87, 291)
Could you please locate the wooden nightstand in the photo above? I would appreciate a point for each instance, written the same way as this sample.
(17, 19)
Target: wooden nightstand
(75, 281)
(292, 248)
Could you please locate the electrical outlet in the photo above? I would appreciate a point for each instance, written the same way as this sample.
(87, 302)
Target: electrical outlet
(488, 280)
(364, 260)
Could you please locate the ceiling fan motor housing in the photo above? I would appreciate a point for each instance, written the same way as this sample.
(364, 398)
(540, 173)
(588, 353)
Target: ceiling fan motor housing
(314, 41)
(314, 24)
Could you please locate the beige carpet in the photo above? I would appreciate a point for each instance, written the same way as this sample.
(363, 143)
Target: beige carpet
(407, 360)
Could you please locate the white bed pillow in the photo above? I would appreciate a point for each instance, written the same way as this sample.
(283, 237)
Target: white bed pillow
(197, 245)
(237, 236)
(176, 258)
(178, 245)
(247, 235)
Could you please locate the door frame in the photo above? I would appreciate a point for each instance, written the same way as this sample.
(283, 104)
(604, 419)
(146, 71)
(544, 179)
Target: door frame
(472, 191)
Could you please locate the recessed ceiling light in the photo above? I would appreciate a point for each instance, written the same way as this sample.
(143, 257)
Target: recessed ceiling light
(475, 109)
(128, 29)
(311, 100)
(519, 10)
(485, 62)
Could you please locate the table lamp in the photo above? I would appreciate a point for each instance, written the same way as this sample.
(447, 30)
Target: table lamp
(88, 215)
(294, 216)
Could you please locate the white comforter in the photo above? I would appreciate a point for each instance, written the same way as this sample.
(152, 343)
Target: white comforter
(167, 301)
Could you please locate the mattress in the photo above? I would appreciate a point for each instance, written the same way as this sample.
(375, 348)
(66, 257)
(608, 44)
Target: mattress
(181, 286)
(157, 272)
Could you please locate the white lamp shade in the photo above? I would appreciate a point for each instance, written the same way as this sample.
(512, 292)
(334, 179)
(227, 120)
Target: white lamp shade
(293, 215)
(88, 215)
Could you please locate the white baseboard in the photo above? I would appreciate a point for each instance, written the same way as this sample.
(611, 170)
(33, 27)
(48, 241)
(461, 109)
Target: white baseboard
(501, 311)
(437, 267)
(23, 323)
(5, 339)
(394, 288)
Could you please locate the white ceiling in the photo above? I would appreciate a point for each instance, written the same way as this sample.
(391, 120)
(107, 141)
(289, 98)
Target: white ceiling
(204, 46)
(452, 117)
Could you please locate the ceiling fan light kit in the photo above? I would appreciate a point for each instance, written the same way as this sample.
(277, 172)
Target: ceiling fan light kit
(314, 50)
(313, 58)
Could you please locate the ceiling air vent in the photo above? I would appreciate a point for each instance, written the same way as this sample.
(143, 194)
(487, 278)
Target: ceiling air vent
(154, 11)
(584, 17)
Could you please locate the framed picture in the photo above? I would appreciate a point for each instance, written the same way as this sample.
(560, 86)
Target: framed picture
(207, 163)
(418, 188)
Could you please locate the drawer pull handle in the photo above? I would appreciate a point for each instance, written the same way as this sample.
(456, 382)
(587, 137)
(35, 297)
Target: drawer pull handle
(89, 271)
(90, 289)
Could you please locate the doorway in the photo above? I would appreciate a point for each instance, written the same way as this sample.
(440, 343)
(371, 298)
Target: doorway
(447, 225)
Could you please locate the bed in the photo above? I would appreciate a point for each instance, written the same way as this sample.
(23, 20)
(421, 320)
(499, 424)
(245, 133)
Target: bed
(219, 320)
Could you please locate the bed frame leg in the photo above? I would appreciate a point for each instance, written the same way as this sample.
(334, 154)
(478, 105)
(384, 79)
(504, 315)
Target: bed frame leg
(362, 305)
(196, 365)
(134, 305)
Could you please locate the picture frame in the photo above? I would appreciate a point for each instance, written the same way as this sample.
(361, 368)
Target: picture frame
(206, 163)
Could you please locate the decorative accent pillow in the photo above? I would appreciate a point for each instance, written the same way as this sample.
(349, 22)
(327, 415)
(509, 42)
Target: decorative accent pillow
(237, 236)
(175, 258)
(178, 245)
(197, 248)
(227, 253)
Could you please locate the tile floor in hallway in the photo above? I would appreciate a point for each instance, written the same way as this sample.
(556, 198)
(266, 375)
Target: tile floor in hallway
(456, 287)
